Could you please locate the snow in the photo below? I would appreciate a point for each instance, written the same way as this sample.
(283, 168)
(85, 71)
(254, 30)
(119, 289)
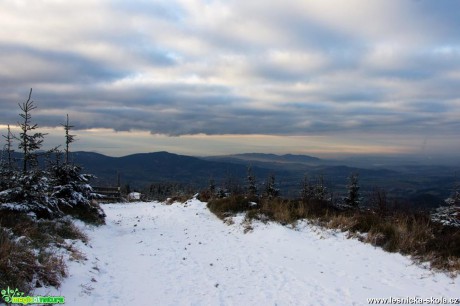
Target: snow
(447, 216)
(134, 196)
(181, 254)
(14, 207)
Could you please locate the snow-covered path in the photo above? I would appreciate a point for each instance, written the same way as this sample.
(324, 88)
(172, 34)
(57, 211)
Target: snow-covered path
(157, 254)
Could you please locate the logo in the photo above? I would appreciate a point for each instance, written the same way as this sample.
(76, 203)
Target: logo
(17, 297)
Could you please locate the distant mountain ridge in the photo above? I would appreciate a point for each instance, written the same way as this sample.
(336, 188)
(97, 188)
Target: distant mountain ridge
(142, 169)
(424, 184)
(265, 157)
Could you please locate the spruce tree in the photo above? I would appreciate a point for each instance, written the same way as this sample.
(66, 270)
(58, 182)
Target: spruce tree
(307, 192)
(353, 198)
(29, 142)
(320, 190)
(270, 190)
(7, 163)
(251, 180)
(8, 149)
(71, 188)
(69, 138)
(28, 190)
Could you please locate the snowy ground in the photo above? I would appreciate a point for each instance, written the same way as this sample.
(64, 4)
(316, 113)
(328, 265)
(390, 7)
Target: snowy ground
(157, 254)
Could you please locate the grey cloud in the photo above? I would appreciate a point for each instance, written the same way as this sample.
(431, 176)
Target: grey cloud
(346, 93)
(70, 67)
(277, 74)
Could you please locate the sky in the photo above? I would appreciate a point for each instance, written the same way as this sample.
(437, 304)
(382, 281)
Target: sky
(325, 78)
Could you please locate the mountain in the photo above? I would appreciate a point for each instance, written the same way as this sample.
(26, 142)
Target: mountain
(263, 157)
(421, 185)
(424, 185)
(139, 170)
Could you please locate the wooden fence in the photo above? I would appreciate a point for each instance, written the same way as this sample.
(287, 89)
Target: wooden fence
(109, 194)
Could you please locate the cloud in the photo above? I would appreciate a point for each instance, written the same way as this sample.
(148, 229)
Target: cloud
(234, 67)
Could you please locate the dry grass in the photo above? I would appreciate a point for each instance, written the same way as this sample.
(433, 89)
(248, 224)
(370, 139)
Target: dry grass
(51, 269)
(228, 206)
(28, 250)
(340, 221)
(17, 263)
(406, 233)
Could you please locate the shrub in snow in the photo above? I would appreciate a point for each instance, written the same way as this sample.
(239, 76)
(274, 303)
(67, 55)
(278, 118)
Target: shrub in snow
(449, 215)
(29, 193)
(71, 188)
(454, 200)
(73, 193)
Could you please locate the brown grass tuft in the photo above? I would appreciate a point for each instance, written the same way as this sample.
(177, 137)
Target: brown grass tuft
(28, 250)
(228, 206)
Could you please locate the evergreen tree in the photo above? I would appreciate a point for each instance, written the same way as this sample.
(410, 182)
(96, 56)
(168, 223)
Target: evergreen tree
(44, 192)
(71, 188)
(251, 180)
(320, 190)
(7, 162)
(270, 190)
(212, 187)
(307, 192)
(29, 142)
(8, 149)
(28, 190)
(353, 198)
(61, 188)
(316, 190)
(69, 138)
